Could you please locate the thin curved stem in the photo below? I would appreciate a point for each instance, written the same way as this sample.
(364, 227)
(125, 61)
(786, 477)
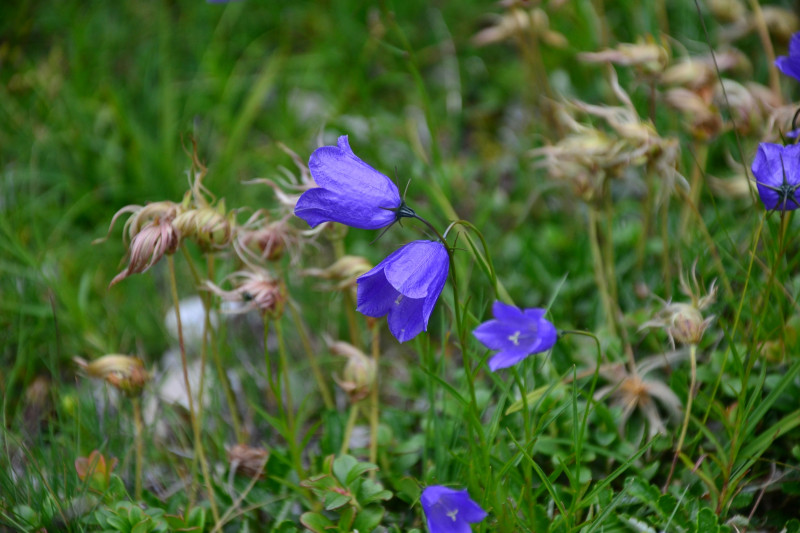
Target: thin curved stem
(374, 399)
(685, 426)
(198, 442)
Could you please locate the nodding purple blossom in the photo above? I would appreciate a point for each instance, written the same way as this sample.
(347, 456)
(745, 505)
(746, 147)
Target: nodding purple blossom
(777, 172)
(350, 191)
(405, 285)
(449, 510)
(790, 65)
(516, 333)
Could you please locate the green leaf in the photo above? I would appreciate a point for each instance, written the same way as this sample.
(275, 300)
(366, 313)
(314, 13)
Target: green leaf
(316, 522)
(334, 500)
(540, 521)
(707, 521)
(792, 526)
(368, 518)
(342, 466)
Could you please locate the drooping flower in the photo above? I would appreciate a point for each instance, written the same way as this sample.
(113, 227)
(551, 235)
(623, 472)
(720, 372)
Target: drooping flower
(777, 172)
(349, 191)
(516, 333)
(449, 510)
(405, 285)
(253, 289)
(790, 65)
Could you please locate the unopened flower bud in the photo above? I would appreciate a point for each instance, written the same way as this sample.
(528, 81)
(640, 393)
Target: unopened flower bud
(123, 372)
(148, 246)
(358, 376)
(207, 226)
(687, 324)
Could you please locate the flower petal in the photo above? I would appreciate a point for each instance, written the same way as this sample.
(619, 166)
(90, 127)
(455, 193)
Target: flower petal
(507, 358)
(375, 295)
(503, 311)
(338, 168)
(773, 167)
(318, 205)
(406, 319)
(497, 335)
(413, 268)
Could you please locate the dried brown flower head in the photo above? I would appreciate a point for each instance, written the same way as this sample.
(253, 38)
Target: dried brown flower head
(248, 461)
(254, 289)
(344, 272)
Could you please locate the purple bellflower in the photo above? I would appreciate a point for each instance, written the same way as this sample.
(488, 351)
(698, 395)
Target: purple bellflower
(790, 65)
(450, 511)
(777, 172)
(405, 285)
(516, 334)
(350, 191)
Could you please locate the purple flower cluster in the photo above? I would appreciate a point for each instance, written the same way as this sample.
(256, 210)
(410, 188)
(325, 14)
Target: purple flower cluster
(405, 285)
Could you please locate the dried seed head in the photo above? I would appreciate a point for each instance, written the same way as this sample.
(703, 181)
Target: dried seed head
(266, 242)
(703, 119)
(358, 376)
(248, 461)
(690, 74)
(684, 322)
(727, 10)
(647, 57)
(123, 372)
(253, 289)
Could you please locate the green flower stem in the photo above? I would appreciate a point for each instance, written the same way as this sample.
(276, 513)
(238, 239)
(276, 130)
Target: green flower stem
(349, 303)
(737, 316)
(283, 370)
(198, 442)
(696, 181)
(139, 446)
(608, 243)
(348, 428)
(579, 440)
(685, 426)
(223, 376)
(327, 399)
(374, 416)
(599, 272)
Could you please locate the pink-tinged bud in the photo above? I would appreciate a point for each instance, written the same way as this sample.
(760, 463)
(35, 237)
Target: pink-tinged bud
(96, 469)
(123, 372)
(150, 244)
(267, 242)
(358, 376)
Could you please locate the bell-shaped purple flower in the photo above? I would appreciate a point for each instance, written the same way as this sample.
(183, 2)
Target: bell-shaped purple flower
(350, 191)
(516, 334)
(449, 510)
(777, 172)
(790, 65)
(405, 285)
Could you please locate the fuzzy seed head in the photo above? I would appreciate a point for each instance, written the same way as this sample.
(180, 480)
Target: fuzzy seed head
(358, 376)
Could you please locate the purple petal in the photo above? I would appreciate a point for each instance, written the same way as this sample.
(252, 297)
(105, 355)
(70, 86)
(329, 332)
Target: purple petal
(548, 335)
(337, 168)
(496, 335)
(318, 205)
(507, 358)
(405, 285)
(406, 319)
(503, 311)
(450, 511)
(375, 295)
(794, 45)
(534, 314)
(773, 166)
(413, 268)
